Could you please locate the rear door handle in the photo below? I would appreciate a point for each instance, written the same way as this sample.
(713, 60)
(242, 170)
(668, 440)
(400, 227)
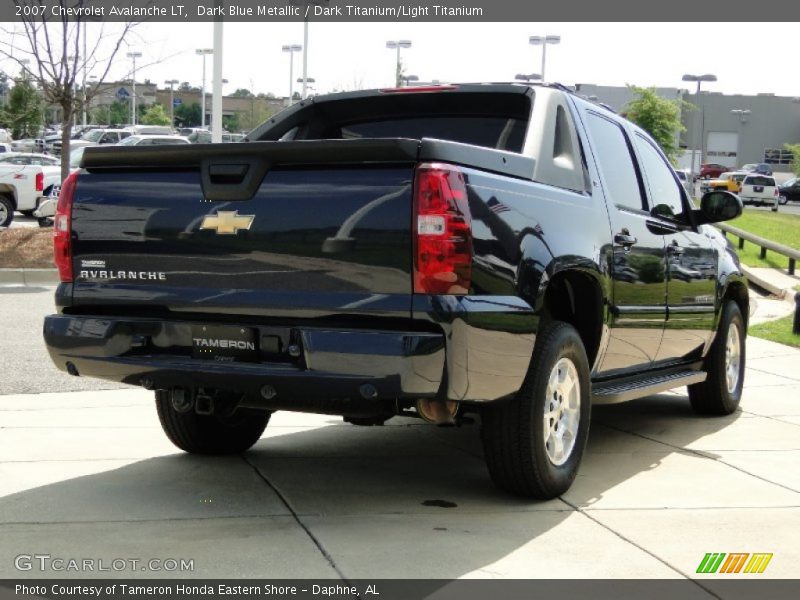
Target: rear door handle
(625, 239)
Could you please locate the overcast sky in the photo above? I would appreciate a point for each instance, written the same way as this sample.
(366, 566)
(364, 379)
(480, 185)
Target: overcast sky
(746, 57)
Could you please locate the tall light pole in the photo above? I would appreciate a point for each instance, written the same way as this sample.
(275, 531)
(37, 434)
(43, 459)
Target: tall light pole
(291, 49)
(396, 45)
(83, 77)
(216, 85)
(134, 56)
(203, 52)
(698, 79)
(543, 40)
(743, 113)
(171, 83)
(306, 81)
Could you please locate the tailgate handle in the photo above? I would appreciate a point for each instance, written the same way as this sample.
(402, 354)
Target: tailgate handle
(235, 179)
(227, 174)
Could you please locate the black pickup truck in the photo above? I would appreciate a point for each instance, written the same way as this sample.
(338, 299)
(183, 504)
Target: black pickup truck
(510, 252)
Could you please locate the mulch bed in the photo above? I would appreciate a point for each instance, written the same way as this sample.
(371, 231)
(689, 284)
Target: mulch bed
(28, 247)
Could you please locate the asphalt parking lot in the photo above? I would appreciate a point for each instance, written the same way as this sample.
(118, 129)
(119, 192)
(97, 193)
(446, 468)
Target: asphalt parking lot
(87, 473)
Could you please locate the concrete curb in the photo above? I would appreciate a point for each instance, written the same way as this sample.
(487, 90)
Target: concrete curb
(786, 294)
(28, 277)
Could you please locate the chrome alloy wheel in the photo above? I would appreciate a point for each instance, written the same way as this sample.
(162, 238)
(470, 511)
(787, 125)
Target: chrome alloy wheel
(3, 213)
(562, 411)
(733, 357)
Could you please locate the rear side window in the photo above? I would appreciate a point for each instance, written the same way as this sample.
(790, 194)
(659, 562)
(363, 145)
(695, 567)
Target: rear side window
(499, 133)
(613, 156)
(759, 180)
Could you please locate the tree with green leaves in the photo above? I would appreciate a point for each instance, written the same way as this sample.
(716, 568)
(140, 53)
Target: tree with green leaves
(242, 93)
(116, 113)
(795, 150)
(155, 115)
(231, 122)
(23, 113)
(659, 117)
(188, 115)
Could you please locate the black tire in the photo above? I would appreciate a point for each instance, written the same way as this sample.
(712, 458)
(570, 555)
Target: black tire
(783, 200)
(27, 213)
(209, 434)
(6, 211)
(713, 396)
(512, 431)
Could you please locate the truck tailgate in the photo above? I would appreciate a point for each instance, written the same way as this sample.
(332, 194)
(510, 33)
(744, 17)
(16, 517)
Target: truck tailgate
(295, 229)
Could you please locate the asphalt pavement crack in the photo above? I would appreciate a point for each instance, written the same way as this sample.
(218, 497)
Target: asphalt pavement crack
(298, 520)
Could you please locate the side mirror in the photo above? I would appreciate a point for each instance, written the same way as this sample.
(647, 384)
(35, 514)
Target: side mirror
(718, 206)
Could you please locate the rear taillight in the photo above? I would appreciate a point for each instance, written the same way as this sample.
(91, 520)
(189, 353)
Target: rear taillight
(62, 229)
(39, 182)
(775, 192)
(442, 231)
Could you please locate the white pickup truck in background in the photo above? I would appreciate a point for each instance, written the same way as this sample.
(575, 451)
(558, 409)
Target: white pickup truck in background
(23, 183)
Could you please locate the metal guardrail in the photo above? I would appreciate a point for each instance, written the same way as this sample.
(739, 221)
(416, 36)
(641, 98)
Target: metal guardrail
(790, 253)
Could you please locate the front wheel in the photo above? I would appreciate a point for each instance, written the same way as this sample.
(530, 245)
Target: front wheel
(534, 442)
(721, 392)
(210, 434)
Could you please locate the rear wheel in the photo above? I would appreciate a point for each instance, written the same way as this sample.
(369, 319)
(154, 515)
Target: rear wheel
(6, 211)
(534, 442)
(210, 434)
(721, 392)
(782, 200)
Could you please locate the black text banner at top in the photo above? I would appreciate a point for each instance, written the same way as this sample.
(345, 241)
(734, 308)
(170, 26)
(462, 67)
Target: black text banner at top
(442, 11)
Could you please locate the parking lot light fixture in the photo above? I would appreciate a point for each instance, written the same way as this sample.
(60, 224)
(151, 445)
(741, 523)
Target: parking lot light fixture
(698, 79)
(396, 45)
(291, 49)
(543, 41)
(133, 56)
(527, 77)
(408, 79)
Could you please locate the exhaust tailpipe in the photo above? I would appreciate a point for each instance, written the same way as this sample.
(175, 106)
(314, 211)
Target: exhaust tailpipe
(440, 412)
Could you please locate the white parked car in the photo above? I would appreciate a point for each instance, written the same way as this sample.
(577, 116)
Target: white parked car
(5, 136)
(760, 189)
(153, 140)
(95, 137)
(27, 145)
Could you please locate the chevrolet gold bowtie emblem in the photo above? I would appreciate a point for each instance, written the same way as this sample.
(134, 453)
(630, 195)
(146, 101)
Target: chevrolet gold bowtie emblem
(227, 222)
